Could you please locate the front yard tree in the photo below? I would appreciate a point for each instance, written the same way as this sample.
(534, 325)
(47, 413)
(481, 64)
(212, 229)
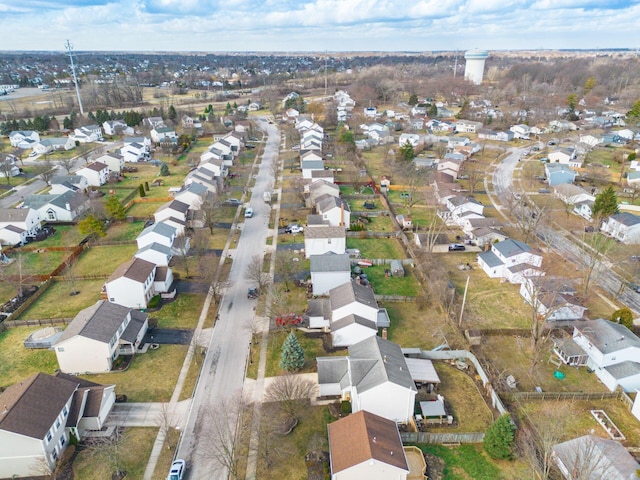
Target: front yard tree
(91, 226)
(499, 439)
(407, 153)
(291, 393)
(292, 356)
(606, 204)
(68, 163)
(255, 274)
(45, 170)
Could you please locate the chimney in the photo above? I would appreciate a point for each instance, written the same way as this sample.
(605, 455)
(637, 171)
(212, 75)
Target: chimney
(384, 333)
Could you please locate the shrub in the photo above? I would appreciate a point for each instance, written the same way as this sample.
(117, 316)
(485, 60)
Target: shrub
(499, 438)
(153, 303)
(624, 316)
(141, 190)
(345, 407)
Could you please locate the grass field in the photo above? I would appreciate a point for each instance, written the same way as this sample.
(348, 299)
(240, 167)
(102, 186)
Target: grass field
(65, 236)
(56, 301)
(124, 231)
(377, 247)
(101, 260)
(383, 285)
(144, 210)
(18, 362)
(183, 312)
(34, 263)
(134, 448)
(151, 377)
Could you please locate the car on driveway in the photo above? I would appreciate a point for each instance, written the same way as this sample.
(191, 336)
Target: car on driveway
(634, 286)
(293, 229)
(176, 472)
(232, 201)
(456, 247)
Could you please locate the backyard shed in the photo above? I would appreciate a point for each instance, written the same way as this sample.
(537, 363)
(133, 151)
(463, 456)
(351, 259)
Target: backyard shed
(397, 270)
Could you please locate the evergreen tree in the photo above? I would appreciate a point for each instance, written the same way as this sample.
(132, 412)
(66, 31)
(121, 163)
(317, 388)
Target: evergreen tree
(141, 190)
(164, 171)
(172, 113)
(114, 208)
(499, 438)
(413, 99)
(606, 203)
(407, 152)
(433, 111)
(623, 316)
(292, 356)
(90, 225)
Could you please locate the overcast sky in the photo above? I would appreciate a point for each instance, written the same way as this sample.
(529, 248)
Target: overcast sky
(318, 25)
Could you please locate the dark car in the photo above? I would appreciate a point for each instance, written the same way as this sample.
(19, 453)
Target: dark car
(250, 146)
(456, 247)
(634, 286)
(370, 205)
(253, 292)
(232, 201)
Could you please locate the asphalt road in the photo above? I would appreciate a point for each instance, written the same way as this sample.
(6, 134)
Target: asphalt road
(562, 241)
(222, 374)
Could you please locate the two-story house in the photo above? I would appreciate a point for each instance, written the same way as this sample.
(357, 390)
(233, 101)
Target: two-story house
(114, 161)
(17, 138)
(158, 232)
(96, 173)
(329, 271)
(131, 284)
(622, 226)
(335, 211)
(98, 335)
(17, 224)
(323, 239)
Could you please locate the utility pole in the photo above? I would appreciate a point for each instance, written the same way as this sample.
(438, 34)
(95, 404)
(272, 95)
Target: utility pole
(464, 300)
(326, 58)
(69, 48)
(455, 67)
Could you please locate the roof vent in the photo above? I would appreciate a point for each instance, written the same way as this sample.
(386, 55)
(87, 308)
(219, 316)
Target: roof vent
(384, 359)
(375, 439)
(392, 453)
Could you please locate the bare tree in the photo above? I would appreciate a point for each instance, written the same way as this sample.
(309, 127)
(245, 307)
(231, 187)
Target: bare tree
(475, 177)
(287, 267)
(292, 393)
(211, 211)
(166, 422)
(182, 245)
(255, 273)
(45, 169)
(68, 163)
(594, 249)
(226, 435)
(108, 450)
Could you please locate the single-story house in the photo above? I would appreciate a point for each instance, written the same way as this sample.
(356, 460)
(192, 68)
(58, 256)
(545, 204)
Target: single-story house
(504, 258)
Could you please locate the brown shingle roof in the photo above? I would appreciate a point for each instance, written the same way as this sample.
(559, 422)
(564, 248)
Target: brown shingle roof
(136, 269)
(364, 436)
(30, 407)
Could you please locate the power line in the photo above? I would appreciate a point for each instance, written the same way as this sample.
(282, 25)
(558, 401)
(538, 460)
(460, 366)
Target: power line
(69, 48)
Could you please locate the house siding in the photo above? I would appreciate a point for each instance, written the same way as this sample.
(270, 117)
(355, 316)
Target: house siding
(84, 355)
(371, 470)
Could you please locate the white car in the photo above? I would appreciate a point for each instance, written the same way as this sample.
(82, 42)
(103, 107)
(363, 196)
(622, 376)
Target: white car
(248, 213)
(176, 472)
(33, 154)
(293, 229)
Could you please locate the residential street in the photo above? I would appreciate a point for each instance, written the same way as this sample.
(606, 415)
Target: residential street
(560, 240)
(222, 374)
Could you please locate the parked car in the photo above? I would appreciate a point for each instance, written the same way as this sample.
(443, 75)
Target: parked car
(176, 472)
(634, 286)
(250, 146)
(293, 228)
(33, 154)
(232, 201)
(544, 190)
(370, 205)
(253, 292)
(589, 229)
(248, 213)
(455, 247)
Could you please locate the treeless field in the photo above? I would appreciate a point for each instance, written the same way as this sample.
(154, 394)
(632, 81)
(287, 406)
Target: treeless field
(18, 362)
(56, 301)
(102, 260)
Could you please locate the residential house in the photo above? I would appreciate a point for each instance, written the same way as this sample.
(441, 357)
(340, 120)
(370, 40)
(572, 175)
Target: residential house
(613, 353)
(47, 145)
(487, 134)
(65, 183)
(521, 131)
(290, 97)
(8, 166)
(309, 166)
(374, 377)
(131, 284)
(565, 156)
(486, 236)
(163, 134)
(577, 198)
(17, 138)
(159, 255)
(461, 207)
(562, 126)
(193, 195)
(623, 226)
(633, 178)
(18, 224)
(320, 189)
(590, 140)
(60, 207)
(510, 259)
(553, 298)
(324, 239)
(559, 173)
(470, 224)
(117, 127)
(174, 213)
(451, 165)
(97, 336)
(96, 173)
(412, 139)
(365, 445)
(318, 313)
(370, 112)
(467, 126)
(326, 175)
(595, 458)
(153, 122)
(329, 271)
(354, 313)
(114, 161)
(87, 134)
(135, 152)
(38, 415)
(159, 233)
(310, 155)
(334, 210)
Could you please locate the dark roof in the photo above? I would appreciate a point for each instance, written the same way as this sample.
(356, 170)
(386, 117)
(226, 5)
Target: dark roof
(510, 247)
(352, 292)
(31, 406)
(14, 214)
(626, 218)
(352, 319)
(318, 307)
(136, 269)
(96, 166)
(330, 262)
(98, 322)
(325, 232)
(363, 436)
(136, 324)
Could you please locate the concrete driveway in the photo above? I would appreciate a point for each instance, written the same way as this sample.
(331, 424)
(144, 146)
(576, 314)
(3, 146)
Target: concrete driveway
(148, 414)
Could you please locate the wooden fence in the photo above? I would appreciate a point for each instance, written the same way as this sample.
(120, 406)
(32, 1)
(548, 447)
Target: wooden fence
(43, 322)
(519, 332)
(394, 298)
(561, 395)
(447, 438)
(29, 301)
(365, 234)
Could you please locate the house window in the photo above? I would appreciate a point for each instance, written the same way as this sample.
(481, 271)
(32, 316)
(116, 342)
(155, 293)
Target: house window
(48, 436)
(54, 454)
(57, 423)
(51, 215)
(65, 411)
(62, 441)
(61, 349)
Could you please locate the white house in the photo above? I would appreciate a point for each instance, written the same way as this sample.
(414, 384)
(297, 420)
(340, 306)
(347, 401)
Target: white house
(159, 233)
(335, 211)
(64, 183)
(8, 166)
(318, 313)
(329, 271)
(553, 298)
(309, 166)
(114, 161)
(131, 284)
(117, 127)
(467, 126)
(159, 255)
(96, 173)
(323, 239)
(594, 458)
(412, 139)
(47, 145)
(374, 377)
(622, 226)
(521, 131)
(172, 209)
(38, 415)
(193, 195)
(354, 313)
(87, 134)
(97, 336)
(18, 224)
(62, 207)
(17, 137)
(613, 353)
(510, 259)
(462, 207)
(366, 446)
(161, 134)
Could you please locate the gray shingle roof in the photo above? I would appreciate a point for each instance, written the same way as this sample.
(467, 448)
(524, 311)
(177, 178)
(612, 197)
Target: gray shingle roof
(351, 292)
(626, 218)
(490, 259)
(352, 319)
(325, 232)
(608, 336)
(330, 262)
(510, 247)
(14, 214)
(159, 228)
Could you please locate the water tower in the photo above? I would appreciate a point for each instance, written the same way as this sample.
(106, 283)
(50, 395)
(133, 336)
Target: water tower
(474, 68)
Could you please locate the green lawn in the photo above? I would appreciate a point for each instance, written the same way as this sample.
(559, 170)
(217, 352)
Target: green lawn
(183, 312)
(7, 291)
(377, 247)
(133, 450)
(56, 302)
(383, 285)
(34, 262)
(144, 209)
(102, 260)
(18, 362)
(65, 236)
(151, 377)
(422, 327)
(124, 231)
